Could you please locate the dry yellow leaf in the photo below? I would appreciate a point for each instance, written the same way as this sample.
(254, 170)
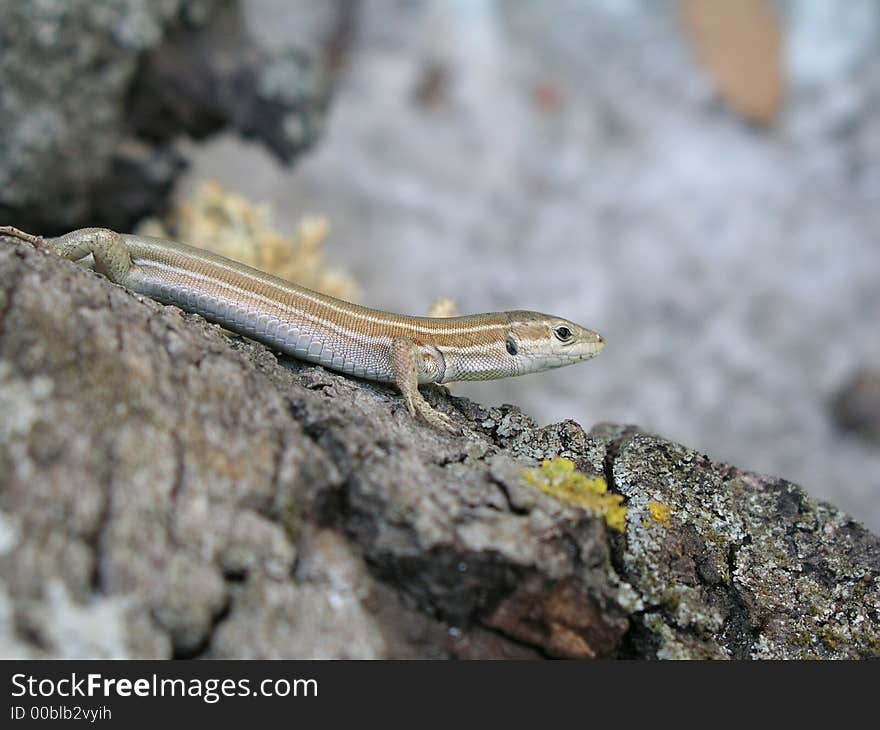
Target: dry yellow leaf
(444, 307)
(739, 44)
(235, 227)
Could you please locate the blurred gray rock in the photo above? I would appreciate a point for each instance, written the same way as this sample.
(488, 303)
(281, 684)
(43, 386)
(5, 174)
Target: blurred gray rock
(169, 490)
(856, 405)
(93, 93)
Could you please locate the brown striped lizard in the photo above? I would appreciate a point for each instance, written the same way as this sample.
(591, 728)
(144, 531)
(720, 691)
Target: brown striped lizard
(367, 343)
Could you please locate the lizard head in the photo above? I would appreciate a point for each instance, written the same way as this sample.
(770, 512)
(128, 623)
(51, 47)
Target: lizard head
(504, 344)
(541, 341)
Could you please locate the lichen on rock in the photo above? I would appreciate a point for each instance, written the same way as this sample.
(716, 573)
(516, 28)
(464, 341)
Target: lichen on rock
(559, 478)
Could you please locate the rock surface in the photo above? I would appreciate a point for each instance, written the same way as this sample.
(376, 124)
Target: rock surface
(168, 490)
(86, 131)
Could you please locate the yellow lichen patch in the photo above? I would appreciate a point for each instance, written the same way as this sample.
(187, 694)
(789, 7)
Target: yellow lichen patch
(558, 478)
(660, 512)
(235, 227)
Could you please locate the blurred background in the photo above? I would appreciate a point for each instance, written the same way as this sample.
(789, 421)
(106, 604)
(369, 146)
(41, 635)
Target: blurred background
(698, 180)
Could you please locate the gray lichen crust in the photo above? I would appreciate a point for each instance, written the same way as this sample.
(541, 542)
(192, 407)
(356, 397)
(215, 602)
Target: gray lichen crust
(734, 564)
(167, 490)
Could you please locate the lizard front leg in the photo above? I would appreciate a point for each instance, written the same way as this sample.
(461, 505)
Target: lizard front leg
(405, 360)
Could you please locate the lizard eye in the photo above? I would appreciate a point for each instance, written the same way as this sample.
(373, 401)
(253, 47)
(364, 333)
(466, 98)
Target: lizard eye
(563, 334)
(511, 346)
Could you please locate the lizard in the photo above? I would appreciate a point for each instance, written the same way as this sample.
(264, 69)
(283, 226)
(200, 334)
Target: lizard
(406, 351)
